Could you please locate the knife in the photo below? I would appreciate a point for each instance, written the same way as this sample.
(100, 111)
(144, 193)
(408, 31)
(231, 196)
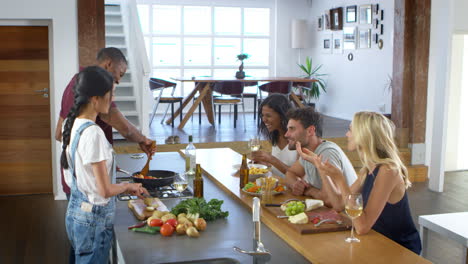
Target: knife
(273, 205)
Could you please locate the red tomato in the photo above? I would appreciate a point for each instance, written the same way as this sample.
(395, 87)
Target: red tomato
(167, 230)
(156, 222)
(172, 222)
(315, 220)
(148, 177)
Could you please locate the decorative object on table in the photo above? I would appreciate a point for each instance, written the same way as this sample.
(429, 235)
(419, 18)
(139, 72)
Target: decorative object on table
(326, 43)
(350, 56)
(351, 12)
(313, 90)
(241, 57)
(337, 43)
(381, 29)
(326, 20)
(365, 14)
(349, 38)
(336, 16)
(364, 38)
(380, 44)
(320, 23)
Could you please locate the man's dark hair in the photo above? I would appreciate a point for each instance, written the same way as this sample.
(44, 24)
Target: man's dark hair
(113, 54)
(308, 117)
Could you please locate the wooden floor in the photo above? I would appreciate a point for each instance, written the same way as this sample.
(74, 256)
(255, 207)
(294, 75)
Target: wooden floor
(32, 227)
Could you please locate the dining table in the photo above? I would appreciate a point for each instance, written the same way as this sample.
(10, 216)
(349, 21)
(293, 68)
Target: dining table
(204, 88)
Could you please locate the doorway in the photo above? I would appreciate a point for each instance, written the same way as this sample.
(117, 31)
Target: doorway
(25, 155)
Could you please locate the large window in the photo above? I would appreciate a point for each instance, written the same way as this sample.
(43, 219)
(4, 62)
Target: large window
(204, 40)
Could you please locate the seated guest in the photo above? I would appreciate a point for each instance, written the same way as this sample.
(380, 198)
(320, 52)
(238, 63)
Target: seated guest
(383, 180)
(305, 130)
(273, 125)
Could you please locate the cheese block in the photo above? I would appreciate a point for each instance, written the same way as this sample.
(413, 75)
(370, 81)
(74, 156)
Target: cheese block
(299, 219)
(312, 204)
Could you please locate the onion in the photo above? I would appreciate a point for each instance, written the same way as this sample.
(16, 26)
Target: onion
(181, 229)
(200, 224)
(192, 232)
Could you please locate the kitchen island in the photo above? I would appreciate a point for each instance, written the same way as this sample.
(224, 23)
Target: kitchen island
(286, 245)
(216, 241)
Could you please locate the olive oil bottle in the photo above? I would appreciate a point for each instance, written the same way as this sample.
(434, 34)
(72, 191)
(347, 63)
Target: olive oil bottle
(198, 183)
(243, 172)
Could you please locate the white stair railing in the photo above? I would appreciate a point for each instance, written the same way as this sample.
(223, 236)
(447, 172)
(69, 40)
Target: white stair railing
(139, 62)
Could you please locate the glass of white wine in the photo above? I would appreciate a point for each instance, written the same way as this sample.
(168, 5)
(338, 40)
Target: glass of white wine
(254, 144)
(180, 183)
(353, 207)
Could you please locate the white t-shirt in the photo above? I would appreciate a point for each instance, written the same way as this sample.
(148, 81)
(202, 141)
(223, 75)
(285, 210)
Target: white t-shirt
(285, 155)
(335, 155)
(93, 147)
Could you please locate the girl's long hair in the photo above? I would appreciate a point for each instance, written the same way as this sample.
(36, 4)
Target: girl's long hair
(91, 81)
(373, 135)
(281, 105)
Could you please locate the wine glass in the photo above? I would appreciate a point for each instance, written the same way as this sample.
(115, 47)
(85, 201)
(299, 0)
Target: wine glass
(254, 144)
(353, 207)
(180, 184)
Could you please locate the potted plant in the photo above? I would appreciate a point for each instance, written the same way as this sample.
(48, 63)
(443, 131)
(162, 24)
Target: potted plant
(312, 90)
(241, 57)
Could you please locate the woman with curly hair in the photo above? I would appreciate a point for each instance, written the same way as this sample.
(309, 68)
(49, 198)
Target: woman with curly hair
(272, 113)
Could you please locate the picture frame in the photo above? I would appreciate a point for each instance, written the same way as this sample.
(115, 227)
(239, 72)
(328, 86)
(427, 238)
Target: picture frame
(375, 9)
(381, 15)
(376, 23)
(336, 17)
(326, 43)
(320, 23)
(349, 38)
(326, 21)
(337, 43)
(381, 29)
(376, 38)
(351, 14)
(365, 14)
(365, 38)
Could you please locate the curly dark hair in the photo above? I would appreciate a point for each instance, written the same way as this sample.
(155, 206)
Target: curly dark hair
(281, 105)
(308, 117)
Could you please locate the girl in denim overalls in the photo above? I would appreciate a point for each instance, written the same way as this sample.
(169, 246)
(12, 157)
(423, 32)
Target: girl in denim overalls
(90, 162)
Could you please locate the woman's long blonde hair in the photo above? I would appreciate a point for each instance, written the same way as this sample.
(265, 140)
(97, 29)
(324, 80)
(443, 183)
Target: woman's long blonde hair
(373, 135)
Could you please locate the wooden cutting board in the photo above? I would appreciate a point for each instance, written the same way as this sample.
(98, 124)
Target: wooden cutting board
(322, 213)
(138, 207)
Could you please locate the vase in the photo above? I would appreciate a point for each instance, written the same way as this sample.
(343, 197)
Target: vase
(240, 74)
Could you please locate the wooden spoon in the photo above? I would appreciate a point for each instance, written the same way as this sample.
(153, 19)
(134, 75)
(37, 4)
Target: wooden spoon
(145, 169)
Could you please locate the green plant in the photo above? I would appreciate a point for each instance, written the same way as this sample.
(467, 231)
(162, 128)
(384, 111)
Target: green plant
(314, 88)
(243, 56)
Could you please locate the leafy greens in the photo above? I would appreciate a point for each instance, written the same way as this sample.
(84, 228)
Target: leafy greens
(208, 210)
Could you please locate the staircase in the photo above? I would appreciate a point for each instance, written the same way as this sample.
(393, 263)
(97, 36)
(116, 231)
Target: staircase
(125, 92)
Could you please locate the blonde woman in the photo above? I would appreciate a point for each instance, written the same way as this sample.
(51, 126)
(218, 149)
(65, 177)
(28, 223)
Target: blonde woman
(383, 180)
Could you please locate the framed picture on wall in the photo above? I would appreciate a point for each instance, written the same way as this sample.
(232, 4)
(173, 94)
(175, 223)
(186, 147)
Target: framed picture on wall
(336, 16)
(365, 14)
(351, 14)
(326, 20)
(349, 38)
(337, 43)
(364, 38)
(320, 23)
(326, 43)
(375, 9)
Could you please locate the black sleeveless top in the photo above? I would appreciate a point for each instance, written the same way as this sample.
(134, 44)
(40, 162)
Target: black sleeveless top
(395, 221)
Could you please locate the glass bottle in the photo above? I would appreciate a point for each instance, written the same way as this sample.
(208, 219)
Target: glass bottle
(243, 172)
(198, 183)
(190, 157)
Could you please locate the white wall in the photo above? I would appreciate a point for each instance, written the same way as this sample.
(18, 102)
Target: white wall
(61, 17)
(454, 148)
(359, 84)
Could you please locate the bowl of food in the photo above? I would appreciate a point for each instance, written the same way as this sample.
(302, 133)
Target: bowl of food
(258, 170)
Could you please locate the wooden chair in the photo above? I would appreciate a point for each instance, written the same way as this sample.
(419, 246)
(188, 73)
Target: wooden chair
(232, 94)
(157, 87)
(252, 95)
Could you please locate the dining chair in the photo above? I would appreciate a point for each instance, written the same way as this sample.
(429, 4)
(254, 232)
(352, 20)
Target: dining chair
(253, 95)
(157, 87)
(231, 94)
